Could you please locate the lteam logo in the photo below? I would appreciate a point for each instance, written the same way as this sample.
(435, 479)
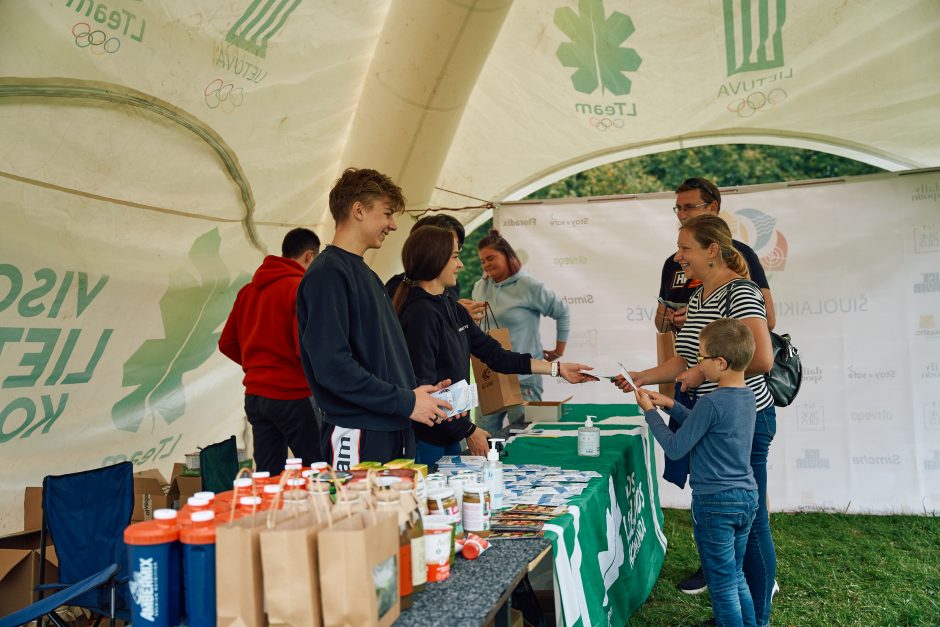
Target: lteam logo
(595, 48)
(754, 34)
(759, 231)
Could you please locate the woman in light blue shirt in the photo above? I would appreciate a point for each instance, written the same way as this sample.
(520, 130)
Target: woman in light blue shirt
(519, 301)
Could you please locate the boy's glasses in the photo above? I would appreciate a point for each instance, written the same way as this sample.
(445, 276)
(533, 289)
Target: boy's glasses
(700, 358)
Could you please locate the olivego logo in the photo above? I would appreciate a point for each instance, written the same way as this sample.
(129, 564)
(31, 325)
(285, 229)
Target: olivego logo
(595, 50)
(753, 34)
(258, 24)
(192, 308)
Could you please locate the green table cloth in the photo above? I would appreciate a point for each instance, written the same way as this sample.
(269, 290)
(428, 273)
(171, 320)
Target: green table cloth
(609, 547)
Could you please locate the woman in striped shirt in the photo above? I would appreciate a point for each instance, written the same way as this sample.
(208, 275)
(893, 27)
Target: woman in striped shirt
(706, 254)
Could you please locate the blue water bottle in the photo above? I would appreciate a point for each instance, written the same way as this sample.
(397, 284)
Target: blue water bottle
(154, 558)
(199, 568)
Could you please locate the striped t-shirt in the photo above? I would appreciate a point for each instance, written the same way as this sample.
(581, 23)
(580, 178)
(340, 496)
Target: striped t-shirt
(746, 302)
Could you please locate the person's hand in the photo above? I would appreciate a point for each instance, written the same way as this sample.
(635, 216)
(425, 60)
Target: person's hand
(659, 400)
(643, 400)
(691, 378)
(572, 373)
(676, 317)
(554, 354)
(478, 442)
(429, 410)
(621, 382)
(476, 308)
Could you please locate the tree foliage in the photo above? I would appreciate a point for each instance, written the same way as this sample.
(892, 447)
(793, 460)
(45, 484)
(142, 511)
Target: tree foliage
(727, 165)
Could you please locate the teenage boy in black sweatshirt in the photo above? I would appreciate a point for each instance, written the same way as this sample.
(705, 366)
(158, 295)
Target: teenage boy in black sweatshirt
(351, 345)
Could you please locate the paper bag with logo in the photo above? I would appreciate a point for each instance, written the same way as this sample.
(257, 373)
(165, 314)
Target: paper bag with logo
(238, 599)
(495, 390)
(291, 563)
(359, 570)
(666, 350)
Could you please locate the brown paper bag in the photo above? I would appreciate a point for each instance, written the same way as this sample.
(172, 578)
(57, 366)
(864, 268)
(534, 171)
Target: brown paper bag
(495, 390)
(666, 350)
(359, 570)
(290, 564)
(239, 600)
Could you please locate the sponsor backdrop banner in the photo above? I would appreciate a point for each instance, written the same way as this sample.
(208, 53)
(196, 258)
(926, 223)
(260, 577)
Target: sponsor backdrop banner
(854, 269)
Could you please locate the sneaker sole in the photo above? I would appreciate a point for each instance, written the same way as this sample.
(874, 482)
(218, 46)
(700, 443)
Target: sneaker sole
(694, 590)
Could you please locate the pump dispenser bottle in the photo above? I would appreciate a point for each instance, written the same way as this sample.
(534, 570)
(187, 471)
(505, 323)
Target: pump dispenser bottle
(589, 439)
(493, 474)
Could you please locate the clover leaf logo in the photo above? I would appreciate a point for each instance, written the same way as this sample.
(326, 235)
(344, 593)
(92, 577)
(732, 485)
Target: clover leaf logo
(192, 308)
(595, 48)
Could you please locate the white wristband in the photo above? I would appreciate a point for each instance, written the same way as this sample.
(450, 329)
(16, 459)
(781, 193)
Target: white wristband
(554, 368)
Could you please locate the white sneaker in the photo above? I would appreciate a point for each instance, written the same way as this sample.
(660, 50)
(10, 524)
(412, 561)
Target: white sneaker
(775, 590)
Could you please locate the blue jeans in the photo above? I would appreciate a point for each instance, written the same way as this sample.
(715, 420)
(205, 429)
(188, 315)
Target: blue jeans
(721, 523)
(760, 560)
(427, 453)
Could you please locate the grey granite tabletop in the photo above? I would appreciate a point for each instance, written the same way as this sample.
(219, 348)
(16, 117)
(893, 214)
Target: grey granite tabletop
(475, 587)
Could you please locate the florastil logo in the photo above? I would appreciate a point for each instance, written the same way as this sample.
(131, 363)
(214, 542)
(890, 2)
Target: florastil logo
(594, 49)
(759, 231)
(192, 308)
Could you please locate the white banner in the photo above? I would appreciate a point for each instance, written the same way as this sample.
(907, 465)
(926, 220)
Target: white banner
(854, 270)
(108, 337)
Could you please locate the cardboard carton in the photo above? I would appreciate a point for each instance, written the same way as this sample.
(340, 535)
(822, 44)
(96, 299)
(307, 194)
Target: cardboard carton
(150, 493)
(19, 569)
(32, 509)
(183, 485)
(545, 411)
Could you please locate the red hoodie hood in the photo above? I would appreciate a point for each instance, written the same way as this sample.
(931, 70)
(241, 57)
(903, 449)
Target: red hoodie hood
(275, 268)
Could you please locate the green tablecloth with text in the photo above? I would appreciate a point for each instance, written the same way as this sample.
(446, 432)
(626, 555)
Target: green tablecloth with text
(609, 548)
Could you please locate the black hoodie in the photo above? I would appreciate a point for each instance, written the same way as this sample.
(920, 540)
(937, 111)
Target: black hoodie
(441, 337)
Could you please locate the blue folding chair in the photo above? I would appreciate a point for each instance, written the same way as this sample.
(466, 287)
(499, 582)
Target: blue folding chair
(48, 605)
(86, 514)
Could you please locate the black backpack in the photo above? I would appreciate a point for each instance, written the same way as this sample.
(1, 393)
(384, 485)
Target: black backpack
(786, 375)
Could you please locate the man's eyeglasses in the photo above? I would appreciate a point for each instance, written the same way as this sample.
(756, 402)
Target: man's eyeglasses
(700, 358)
(679, 208)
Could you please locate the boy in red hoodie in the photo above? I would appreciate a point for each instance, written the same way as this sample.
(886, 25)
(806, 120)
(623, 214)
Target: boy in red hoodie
(261, 336)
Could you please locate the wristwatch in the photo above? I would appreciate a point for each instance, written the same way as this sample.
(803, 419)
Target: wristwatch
(554, 368)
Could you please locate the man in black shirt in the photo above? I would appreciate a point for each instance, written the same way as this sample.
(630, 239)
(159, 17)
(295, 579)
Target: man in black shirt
(351, 345)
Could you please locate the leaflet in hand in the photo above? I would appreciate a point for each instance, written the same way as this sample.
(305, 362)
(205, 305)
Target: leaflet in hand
(461, 395)
(626, 375)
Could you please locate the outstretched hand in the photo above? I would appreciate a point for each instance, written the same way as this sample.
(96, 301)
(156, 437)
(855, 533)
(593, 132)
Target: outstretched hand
(572, 373)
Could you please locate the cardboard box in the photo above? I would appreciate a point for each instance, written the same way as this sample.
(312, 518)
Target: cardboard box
(32, 509)
(19, 569)
(150, 493)
(182, 487)
(544, 411)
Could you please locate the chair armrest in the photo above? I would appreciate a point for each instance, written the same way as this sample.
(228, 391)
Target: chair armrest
(51, 586)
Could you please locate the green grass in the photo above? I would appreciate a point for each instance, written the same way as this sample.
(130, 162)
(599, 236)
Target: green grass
(833, 569)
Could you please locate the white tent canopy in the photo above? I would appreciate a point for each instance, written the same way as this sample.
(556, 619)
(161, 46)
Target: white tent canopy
(160, 147)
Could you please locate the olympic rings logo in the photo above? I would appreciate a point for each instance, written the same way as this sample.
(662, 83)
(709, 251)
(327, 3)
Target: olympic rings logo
(225, 95)
(97, 40)
(757, 101)
(602, 124)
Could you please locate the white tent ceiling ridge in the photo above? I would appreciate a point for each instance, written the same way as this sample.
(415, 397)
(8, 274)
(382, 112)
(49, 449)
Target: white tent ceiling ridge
(13, 89)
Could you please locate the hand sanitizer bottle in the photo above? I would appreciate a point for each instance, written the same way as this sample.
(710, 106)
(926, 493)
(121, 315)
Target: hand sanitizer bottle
(589, 439)
(493, 474)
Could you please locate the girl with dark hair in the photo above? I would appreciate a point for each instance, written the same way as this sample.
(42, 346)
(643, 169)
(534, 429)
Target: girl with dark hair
(441, 336)
(519, 301)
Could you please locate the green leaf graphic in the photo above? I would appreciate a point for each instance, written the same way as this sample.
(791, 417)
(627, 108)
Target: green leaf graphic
(595, 48)
(192, 309)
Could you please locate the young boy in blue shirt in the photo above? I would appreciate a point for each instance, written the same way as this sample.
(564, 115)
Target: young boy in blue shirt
(718, 433)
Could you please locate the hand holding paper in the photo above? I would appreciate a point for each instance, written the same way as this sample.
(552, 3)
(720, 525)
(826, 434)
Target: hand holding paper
(461, 396)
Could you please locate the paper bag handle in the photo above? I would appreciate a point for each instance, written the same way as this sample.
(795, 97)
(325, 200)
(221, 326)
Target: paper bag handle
(487, 315)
